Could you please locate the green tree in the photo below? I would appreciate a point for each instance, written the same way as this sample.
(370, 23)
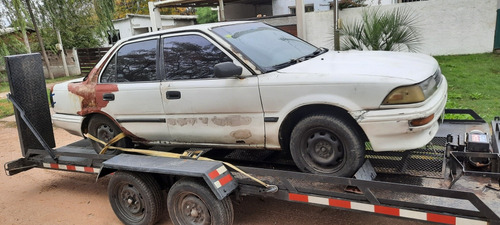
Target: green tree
(351, 3)
(124, 7)
(206, 15)
(395, 30)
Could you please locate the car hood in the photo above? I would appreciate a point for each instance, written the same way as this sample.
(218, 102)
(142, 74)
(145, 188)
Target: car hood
(369, 66)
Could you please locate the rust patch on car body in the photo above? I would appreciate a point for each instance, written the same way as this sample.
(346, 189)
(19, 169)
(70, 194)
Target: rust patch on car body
(181, 121)
(241, 134)
(91, 93)
(203, 120)
(232, 121)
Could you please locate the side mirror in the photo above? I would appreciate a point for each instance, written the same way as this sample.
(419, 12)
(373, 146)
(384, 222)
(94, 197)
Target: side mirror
(227, 69)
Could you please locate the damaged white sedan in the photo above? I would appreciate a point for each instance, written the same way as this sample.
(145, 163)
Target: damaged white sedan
(247, 85)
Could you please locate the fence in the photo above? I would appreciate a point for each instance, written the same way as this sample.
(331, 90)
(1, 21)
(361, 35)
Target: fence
(89, 57)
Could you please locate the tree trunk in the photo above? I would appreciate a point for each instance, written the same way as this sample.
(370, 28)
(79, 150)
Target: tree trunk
(40, 40)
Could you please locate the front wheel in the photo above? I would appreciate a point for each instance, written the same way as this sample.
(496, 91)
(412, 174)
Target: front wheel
(326, 145)
(190, 202)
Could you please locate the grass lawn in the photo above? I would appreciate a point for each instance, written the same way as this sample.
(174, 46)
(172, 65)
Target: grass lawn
(4, 86)
(6, 108)
(473, 83)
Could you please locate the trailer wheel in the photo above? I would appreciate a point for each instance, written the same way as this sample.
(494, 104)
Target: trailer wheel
(326, 145)
(191, 202)
(136, 198)
(104, 129)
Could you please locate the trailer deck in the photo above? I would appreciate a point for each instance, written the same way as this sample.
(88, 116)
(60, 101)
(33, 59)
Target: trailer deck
(436, 183)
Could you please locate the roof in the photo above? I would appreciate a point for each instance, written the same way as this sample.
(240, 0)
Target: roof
(166, 17)
(9, 30)
(205, 3)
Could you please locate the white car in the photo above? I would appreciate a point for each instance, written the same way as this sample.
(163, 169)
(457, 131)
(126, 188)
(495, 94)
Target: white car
(247, 85)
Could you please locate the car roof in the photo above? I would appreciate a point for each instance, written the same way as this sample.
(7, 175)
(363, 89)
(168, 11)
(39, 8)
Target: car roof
(199, 27)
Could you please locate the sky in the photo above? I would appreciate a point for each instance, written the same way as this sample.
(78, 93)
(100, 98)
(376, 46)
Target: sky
(3, 18)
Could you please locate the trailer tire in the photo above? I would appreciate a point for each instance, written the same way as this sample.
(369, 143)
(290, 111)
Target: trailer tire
(191, 202)
(104, 129)
(136, 198)
(324, 144)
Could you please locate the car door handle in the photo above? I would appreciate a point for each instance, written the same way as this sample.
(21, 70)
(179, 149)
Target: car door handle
(108, 97)
(173, 94)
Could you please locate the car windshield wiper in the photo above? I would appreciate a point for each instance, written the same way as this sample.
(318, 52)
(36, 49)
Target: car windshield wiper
(318, 51)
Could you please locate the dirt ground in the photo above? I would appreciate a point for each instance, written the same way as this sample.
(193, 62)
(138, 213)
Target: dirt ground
(41, 196)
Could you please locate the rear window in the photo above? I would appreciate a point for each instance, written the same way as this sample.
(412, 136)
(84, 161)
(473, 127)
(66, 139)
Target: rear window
(133, 62)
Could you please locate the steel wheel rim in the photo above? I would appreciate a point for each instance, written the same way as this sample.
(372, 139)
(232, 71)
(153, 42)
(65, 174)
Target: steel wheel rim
(130, 202)
(193, 211)
(323, 150)
(105, 133)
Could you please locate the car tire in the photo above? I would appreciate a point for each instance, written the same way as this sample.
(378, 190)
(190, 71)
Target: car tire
(324, 144)
(104, 129)
(191, 202)
(136, 198)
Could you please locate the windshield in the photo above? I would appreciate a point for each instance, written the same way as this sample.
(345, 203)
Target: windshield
(269, 48)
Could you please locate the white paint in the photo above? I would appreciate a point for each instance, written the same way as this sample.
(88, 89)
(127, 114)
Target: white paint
(318, 200)
(448, 26)
(362, 207)
(464, 221)
(412, 214)
(221, 170)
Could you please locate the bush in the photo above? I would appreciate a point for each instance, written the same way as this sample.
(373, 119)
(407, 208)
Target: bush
(394, 30)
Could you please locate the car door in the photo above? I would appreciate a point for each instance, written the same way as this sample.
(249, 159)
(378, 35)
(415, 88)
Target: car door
(202, 109)
(136, 101)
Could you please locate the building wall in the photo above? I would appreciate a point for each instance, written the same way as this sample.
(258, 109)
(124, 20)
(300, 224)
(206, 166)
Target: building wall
(239, 11)
(56, 64)
(447, 26)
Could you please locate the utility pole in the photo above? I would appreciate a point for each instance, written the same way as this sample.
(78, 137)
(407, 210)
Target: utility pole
(63, 54)
(336, 31)
(40, 40)
(301, 21)
(496, 44)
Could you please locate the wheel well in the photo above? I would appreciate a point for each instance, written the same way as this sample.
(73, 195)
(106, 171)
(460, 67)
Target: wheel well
(300, 113)
(86, 121)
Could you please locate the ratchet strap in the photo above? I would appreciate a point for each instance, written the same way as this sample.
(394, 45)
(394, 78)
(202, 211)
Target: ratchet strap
(187, 154)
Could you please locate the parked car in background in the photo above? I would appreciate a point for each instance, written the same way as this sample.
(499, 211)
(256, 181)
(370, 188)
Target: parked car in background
(247, 85)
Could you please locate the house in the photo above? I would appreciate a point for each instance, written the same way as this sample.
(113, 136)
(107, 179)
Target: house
(134, 24)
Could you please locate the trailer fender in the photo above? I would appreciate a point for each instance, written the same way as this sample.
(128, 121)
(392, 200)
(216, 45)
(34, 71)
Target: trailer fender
(214, 173)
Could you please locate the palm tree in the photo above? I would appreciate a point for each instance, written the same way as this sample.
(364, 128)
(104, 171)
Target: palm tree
(395, 30)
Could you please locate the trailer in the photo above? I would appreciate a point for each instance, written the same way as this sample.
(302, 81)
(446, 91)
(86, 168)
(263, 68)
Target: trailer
(453, 180)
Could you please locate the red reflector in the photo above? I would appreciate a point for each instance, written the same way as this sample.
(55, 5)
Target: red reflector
(422, 121)
(441, 218)
(298, 197)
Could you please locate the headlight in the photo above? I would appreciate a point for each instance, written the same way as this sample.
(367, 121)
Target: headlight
(414, 93)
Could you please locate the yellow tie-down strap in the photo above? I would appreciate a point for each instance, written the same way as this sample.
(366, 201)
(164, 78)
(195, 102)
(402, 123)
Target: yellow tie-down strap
(193, 155)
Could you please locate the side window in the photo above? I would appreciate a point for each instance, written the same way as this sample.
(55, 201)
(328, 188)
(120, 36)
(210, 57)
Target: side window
(132, 62)
(109, 74)
(191, 57)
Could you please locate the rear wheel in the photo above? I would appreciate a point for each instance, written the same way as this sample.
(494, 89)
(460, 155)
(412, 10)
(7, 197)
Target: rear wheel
(191, 202)
(136, 198)
(104, 129)
(326, 145)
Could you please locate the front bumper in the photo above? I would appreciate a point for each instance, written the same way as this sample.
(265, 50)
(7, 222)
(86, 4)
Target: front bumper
(390, 130)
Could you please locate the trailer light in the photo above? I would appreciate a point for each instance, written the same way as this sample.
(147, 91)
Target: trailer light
(422, 121)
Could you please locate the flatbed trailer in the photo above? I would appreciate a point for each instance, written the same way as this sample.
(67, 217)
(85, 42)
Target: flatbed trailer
(435, 183)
